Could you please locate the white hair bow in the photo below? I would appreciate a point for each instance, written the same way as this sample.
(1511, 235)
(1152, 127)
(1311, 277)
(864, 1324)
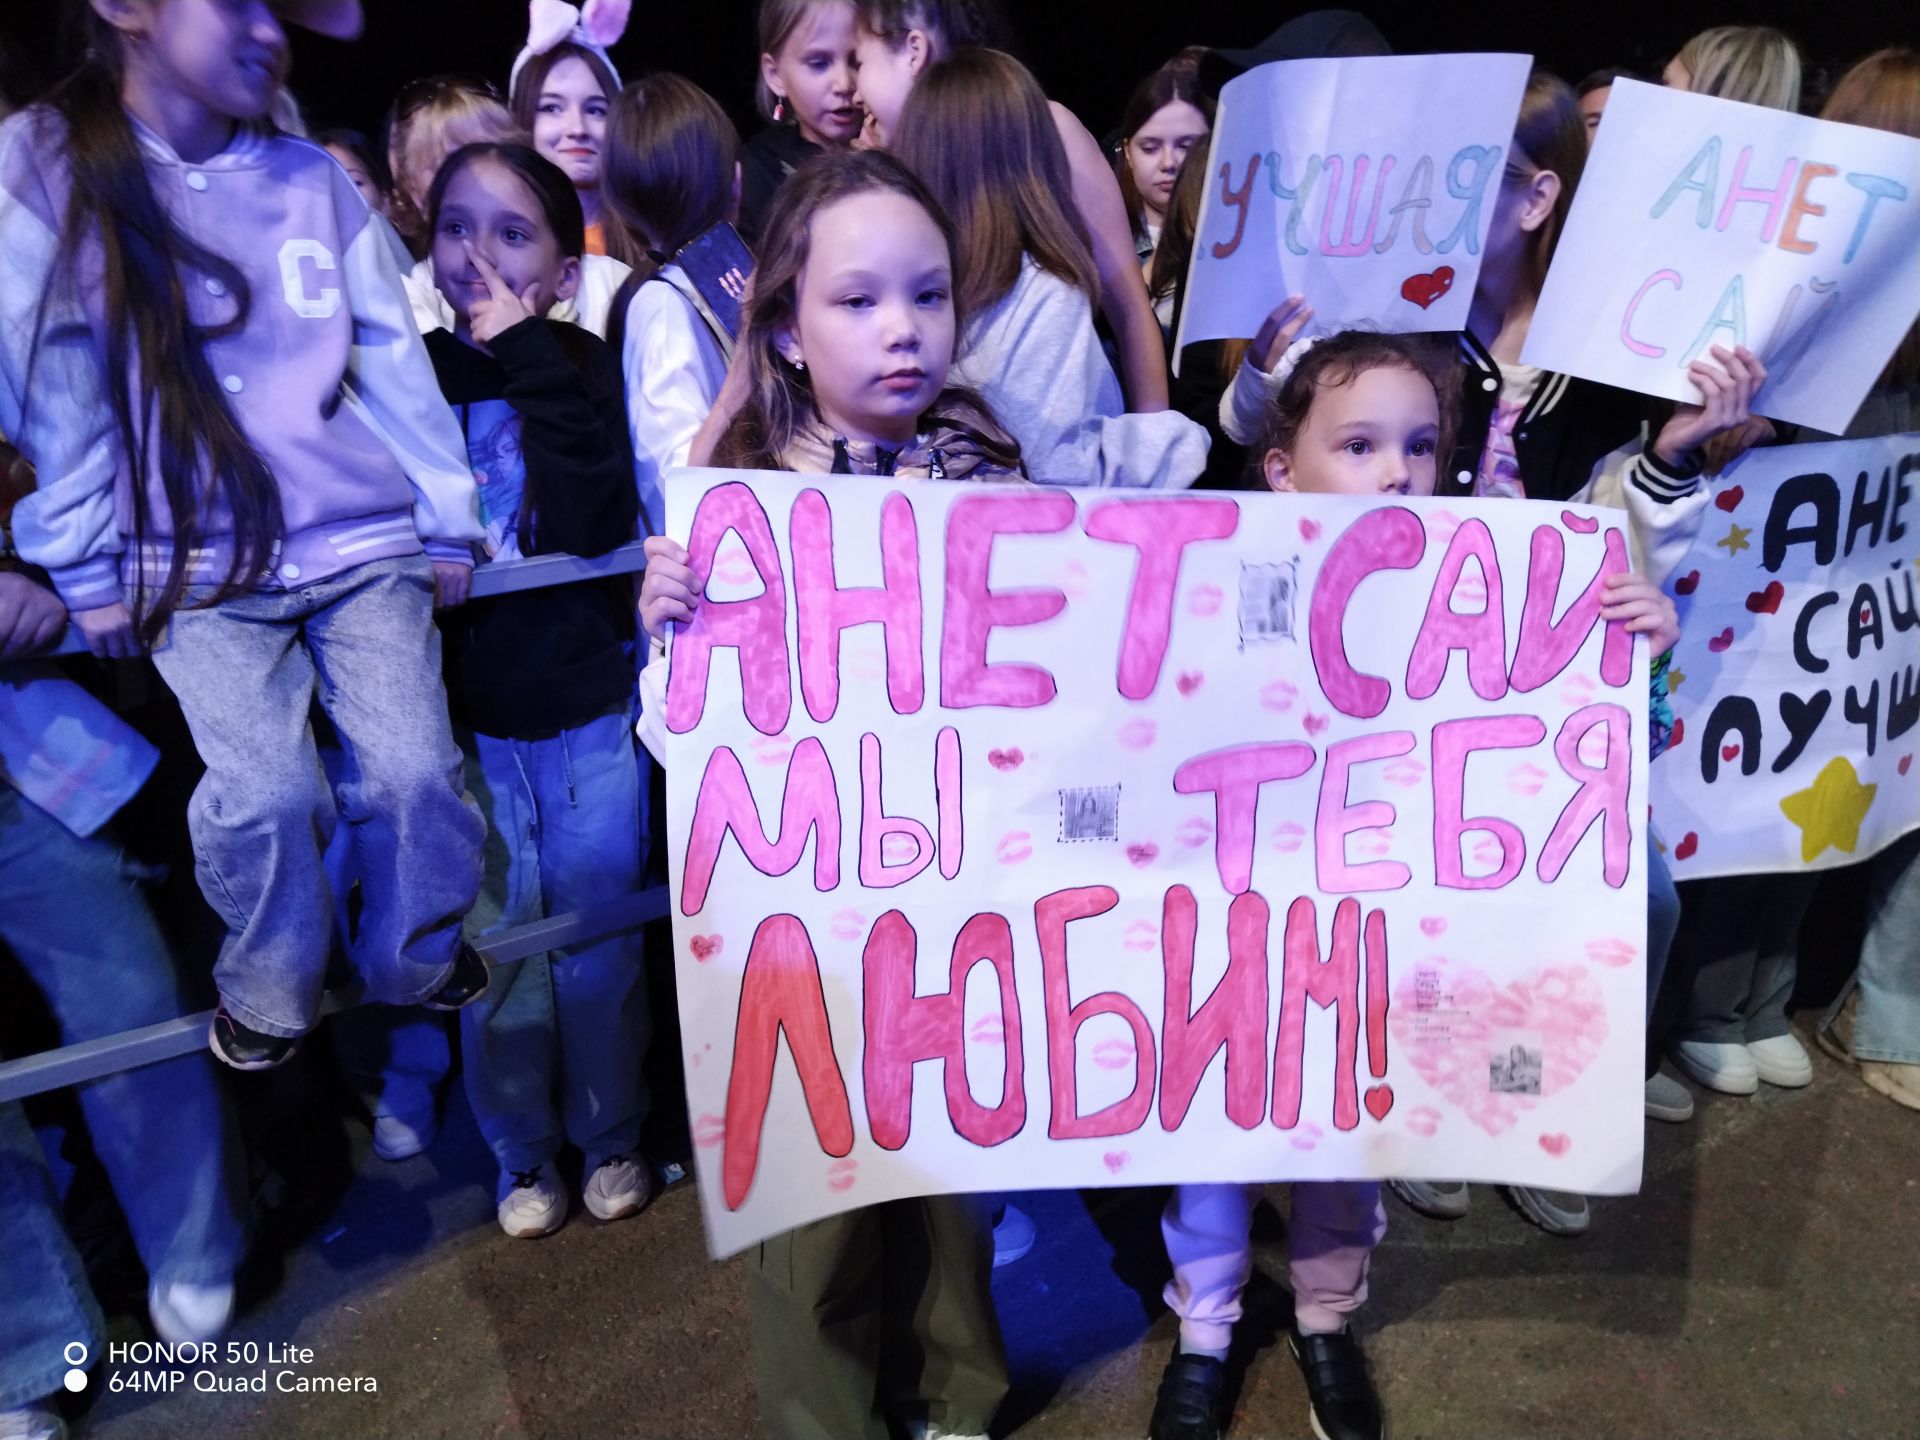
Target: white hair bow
(593, 26)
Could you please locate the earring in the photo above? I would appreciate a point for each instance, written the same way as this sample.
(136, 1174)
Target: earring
(779, 109)
(799, 364)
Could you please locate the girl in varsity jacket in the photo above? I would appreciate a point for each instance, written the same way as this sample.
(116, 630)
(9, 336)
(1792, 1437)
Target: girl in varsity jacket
(245, 465)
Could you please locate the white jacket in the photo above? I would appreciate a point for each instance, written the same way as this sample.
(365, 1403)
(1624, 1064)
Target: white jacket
(674, 364)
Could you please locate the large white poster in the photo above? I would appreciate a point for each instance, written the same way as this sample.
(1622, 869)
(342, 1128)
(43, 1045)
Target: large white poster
(1023, 837)
(1366, 185)
(1703, 222)
(1796, 683)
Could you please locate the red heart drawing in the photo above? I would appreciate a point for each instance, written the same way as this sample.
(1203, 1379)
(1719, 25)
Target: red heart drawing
(705, 947)
(1309, 530)
(1687, 583)
(1767, 601)
(1379, 1101)
(1721, 642)
(1115, 1160)
(1730, 751)
(1906, 764)
(1689, 843)
(1729, 499)
(1560, 1008)
(1555, 1144)
(1579, 524)
(1009, 759)
(1316, 723)
(1189, 681)
(1423, 290)
(1679, 731)
(1143, 854)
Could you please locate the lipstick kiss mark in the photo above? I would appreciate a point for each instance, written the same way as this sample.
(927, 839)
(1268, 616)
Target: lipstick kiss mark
(1014, 846)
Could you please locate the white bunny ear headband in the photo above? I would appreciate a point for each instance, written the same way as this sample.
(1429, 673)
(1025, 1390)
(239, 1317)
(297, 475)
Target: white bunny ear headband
(592, 26)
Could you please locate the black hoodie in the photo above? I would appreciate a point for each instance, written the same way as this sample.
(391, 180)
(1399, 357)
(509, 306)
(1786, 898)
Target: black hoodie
(527, 665)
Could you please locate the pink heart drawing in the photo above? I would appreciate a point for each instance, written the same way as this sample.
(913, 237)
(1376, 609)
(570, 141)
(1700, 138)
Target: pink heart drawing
(1379, 1100)
(1556, 1144)
(1316, 724)
(1467, 1023)
(1189, 681)
(705, 947)
(1309, 530)
(1115, 1160)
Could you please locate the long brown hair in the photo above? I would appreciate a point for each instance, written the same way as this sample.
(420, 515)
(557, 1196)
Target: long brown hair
(780, 398)
(183, 428)
(1883, 92)
(1550, 135)
(1176, 81)
(977, 130)
(668, 171)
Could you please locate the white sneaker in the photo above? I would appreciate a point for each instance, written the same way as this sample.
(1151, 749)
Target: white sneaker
(186, 1314)
(1726, 1068)
(619, 1186)
(1013, 1235)
(531, 1203)
(1668, 1100)
(1781, 1060)
(1897, 1081)
(32, 1422)
(395, 1139)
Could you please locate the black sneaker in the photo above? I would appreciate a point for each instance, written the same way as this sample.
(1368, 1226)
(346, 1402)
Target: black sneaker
(465, 983)
(244, 1048)
(1343, 1403)
(1191, 1399)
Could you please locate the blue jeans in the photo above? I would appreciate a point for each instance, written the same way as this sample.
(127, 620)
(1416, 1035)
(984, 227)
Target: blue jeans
(1887, 1027)
(395, 1057)
(1663, 920)
(553, 1049)
(45, 1301)
(85, 938)
(246, 672)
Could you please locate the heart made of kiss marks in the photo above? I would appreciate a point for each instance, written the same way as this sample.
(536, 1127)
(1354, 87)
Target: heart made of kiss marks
(1560, 1006)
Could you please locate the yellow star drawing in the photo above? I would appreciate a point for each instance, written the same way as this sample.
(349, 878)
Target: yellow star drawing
(1675, 679)
(1735, 540)
(1829, 812)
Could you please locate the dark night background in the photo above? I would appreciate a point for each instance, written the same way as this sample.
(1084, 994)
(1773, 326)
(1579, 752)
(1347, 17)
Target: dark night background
(1087, 53)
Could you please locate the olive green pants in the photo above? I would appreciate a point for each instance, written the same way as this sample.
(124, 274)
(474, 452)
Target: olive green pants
(886, 1311)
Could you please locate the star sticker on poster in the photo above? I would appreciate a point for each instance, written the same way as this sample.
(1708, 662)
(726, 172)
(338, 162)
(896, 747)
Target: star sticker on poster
(1735, 540)
(1829, 811)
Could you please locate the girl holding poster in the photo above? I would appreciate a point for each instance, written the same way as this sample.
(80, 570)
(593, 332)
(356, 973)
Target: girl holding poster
(1531, 434)
(848, 343)
(1359, 415)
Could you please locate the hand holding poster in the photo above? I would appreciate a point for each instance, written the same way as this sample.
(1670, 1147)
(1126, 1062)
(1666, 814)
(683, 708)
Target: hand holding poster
(1068, 840)
(1703, 222)
(1796, 682)
(1366, 185)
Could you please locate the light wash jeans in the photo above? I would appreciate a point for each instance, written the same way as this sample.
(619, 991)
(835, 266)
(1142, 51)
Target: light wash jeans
(246, 672)
(395, 1057)
(553, 1050)
(1887, 1026)
(81, 932)
(45, 1301)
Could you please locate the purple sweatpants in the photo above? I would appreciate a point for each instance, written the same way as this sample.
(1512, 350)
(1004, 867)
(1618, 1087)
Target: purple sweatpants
(1335, 1225)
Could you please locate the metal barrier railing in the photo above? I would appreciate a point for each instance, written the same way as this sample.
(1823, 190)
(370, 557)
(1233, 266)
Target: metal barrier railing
(130, 1049)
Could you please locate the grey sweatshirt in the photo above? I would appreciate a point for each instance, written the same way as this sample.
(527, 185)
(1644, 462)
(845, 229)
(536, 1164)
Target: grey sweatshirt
(1035, 359)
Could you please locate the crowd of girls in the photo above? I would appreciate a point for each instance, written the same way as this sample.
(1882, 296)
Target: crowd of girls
(269, 400)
